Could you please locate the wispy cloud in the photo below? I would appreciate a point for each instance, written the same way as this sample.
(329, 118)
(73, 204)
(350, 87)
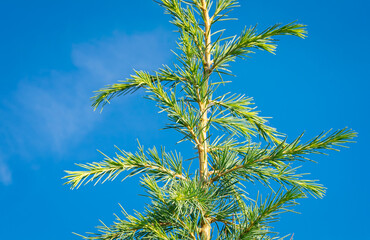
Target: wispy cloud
(52, 112)
(116, 56)
(5, 174)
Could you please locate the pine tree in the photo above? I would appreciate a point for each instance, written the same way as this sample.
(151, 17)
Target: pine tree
(234, 145)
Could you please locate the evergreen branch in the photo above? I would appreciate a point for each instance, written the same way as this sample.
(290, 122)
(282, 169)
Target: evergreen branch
(256, 160)
(325, 141)
(263, 172)
(228, 201)
(183, 116)
(130, 85)
(150, 225)
(285, 175)
(236, 126)
(135, 227)
(185, 20)
(223, 7)
(258, 216)
(182, 203)
(168, 166)
(241, 46)
(240, 106)
(230, 144)
(189, 201)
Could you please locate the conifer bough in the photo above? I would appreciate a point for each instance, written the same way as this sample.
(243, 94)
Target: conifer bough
(234, 144)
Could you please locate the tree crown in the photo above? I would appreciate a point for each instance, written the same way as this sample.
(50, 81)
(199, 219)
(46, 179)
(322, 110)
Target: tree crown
(234, 143)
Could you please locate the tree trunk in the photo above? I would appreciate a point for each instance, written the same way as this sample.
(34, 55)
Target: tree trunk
(205, 229)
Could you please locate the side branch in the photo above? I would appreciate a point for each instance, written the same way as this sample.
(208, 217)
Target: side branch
(168, 166)
(130, 85)
(257, 217)
(257, 164)
(240, 106)
(249, 39)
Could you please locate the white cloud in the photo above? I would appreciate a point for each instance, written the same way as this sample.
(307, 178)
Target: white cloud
(118, 55)
(52, 112)
(5, 174)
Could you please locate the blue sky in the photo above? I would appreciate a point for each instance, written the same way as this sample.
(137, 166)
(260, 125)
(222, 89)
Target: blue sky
(53, 54)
